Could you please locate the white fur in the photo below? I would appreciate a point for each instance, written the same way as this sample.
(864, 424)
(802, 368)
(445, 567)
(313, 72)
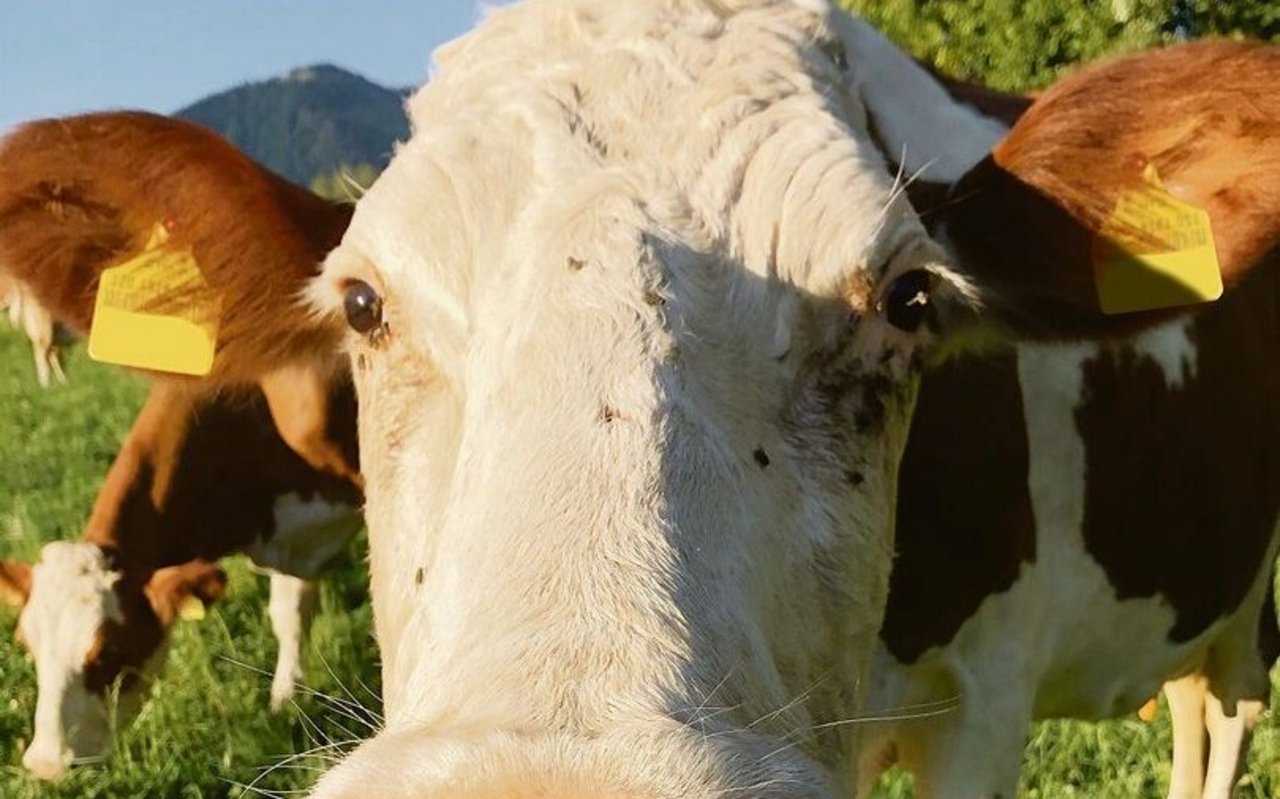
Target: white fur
(291, 608)
(1170, 347)
(935, 138)
(618, 257)
(71, 598)
(36, 321)
(308, 535)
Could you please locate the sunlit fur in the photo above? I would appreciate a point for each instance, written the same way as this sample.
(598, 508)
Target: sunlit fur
(631, 429)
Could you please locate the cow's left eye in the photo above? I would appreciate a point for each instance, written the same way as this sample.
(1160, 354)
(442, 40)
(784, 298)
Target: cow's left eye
(363, 307)
(906, 304)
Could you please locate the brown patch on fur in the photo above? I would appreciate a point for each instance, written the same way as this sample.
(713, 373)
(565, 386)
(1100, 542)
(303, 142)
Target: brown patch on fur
(80, 194)
(303, 406)
(121, 649)
(15, 582)
(1025, 220)
(964, 523)
(210, 468)
(169, 587)
(1191, 472)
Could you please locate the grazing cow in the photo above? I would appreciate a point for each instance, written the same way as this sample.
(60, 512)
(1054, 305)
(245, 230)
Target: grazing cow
(38, 324)
(261, 462)
(1077, 524)
(196, 479)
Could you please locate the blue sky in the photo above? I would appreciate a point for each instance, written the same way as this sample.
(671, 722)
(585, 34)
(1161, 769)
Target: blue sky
(65, 56)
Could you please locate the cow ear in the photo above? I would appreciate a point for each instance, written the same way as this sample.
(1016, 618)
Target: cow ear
(1151, 155)
(15, 582)
(185, 591)
(934, 130)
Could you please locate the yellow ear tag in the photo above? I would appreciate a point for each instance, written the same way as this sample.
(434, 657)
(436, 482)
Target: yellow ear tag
(1155, 251)
(156, 311)
(191, 609)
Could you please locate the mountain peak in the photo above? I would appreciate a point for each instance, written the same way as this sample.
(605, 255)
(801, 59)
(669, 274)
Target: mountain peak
(309, 122)
(321, 72)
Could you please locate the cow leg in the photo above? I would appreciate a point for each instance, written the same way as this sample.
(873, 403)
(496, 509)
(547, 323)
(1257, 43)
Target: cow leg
(308, 536)
(1187, 710)
(55, 363)
(1228, 741)
(292, 607)
(42, 366)
(38, 325)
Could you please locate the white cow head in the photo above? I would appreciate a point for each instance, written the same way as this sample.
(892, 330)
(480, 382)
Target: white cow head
(636, 317)
(637, 314)
(94, 638)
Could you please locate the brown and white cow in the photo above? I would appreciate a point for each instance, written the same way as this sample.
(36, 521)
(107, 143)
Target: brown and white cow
(197, 479)
(1077, 524)
(261, 462)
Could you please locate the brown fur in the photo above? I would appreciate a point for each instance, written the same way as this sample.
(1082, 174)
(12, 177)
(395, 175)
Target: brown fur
(15, 582)
(1192, 472)
(964, 525)
(1207, 115)
(78, 195)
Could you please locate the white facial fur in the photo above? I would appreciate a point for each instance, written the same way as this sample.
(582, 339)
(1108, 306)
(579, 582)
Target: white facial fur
(71, 598)
(631, 434)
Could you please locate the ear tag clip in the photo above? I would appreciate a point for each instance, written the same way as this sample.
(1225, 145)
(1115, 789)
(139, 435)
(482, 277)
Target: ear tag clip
(191, 609)
(156, 311)
(1155, 251)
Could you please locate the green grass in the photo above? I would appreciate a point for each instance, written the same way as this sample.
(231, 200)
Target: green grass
(206, 729)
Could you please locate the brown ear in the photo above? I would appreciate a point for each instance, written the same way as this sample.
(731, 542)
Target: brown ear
(169, 588)
(1027, 221)
(15, 582)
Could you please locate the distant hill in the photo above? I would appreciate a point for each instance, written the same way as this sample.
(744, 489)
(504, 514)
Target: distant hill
(308, 123)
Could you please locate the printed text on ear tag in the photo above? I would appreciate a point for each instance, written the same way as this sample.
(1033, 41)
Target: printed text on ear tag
(156, 311)
(191, 609)
(1155, 251)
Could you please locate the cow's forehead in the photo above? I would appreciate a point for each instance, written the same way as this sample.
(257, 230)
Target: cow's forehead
(572, 135)
(72, 596)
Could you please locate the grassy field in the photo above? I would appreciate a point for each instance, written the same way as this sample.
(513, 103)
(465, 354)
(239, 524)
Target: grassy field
(206, 731)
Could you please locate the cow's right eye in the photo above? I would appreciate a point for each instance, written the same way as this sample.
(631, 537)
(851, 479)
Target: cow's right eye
(363, 307)
(907, 301)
